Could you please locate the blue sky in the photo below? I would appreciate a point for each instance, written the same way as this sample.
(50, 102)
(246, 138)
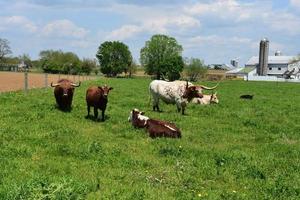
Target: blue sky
(213, 30)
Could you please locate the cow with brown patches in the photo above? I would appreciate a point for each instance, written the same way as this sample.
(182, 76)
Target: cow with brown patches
(97, 97)
(63, 92)
(155, 128)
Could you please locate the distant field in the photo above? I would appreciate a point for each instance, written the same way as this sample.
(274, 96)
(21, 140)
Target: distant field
(237, 149)
(12, 81)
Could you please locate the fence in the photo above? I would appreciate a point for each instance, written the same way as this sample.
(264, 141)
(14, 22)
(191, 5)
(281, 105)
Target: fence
(12, 81)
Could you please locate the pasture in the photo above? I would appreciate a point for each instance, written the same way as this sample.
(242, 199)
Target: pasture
(238, 149)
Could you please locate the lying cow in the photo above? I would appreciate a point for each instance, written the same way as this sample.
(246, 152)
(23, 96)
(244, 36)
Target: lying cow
(97, 97)
(206, 99)
(155, 128)
(63, 92)
(176, 92)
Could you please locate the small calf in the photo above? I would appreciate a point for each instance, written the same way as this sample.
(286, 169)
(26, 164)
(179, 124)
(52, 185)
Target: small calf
(155, 128)
(247, 96)
(206, 99)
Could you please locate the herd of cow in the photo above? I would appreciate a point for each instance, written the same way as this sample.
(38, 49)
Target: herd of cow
(177, 92)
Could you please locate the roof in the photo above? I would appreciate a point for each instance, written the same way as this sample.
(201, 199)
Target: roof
(254, 60)
(237, 70)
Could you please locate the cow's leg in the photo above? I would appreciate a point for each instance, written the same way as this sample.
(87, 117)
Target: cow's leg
(88, 110)
(155, 103)
(182, 111)
(96, 113)
(103, 111)
(178, 106)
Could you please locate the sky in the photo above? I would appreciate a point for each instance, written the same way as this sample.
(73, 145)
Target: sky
(213, 30)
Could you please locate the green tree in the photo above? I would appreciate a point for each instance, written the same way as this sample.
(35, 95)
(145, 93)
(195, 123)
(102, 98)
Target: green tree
(132, 69)
(161, 56)
(4, 48)
(60, 62)
(195, 69)
(88, 65)
(114, 58)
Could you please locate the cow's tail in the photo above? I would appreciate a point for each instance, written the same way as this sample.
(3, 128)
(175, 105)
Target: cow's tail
(149, 93)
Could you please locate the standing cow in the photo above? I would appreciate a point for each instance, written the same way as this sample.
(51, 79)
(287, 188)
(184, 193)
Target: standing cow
(97, 97)
(63, 92)
(176, 92)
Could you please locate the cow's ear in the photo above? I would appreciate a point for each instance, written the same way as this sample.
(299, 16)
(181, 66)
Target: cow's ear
(110, 88)
(142, 113)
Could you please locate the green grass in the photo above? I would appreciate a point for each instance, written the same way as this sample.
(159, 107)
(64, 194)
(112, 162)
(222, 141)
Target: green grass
(237, 149)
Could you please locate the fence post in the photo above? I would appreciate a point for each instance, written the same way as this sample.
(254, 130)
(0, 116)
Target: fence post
(59, 76)
(46, 80)
(26, 81)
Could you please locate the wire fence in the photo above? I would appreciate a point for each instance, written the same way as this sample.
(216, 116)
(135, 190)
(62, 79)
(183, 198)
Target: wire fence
(13, 81)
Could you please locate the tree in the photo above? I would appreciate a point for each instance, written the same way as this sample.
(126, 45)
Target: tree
(161, 56)
(88, 65)
(4, 48)
(60, 62)
(114, 58)
(195, 69)
(132, 69)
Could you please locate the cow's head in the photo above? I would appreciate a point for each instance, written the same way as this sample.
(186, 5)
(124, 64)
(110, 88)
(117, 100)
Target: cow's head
(105, 90)
(214, 98)
(136, 115)
(66, 87)
(191, 92)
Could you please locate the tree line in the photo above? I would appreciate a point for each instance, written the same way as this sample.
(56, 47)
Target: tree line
(161, 57)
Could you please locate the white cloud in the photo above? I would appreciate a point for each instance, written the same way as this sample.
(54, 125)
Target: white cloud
(218, 41)
(155, 25)
(17, 22)
(225, 9)
(287, 23)
(126, 31)
(63, 28)
(295, 3)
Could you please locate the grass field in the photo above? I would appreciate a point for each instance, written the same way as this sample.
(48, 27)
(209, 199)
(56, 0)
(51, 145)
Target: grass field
(234, 150)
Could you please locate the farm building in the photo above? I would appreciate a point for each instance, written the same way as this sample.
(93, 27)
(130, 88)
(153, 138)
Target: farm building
(269, 68)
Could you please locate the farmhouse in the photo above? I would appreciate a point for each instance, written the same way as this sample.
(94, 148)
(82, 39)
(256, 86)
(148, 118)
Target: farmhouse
(269, 68)
(278, 65)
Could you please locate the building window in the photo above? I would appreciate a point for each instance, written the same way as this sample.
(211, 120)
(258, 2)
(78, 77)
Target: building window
(279, 68)
(270, 68)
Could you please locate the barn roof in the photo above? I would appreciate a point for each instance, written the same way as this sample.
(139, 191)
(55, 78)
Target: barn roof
(254, 60)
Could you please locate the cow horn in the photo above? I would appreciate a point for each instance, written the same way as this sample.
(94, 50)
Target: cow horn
(54, 85)
(76, 85)
(187, 84)
(209, 88)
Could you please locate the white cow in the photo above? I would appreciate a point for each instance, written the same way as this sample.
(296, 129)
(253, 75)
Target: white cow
(176, 92)
(206, 99)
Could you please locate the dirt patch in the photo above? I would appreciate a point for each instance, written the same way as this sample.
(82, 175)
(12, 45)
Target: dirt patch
(12, 81)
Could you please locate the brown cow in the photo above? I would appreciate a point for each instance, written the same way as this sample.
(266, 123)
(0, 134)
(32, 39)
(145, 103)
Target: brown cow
(97, 97)
(155, 128)
(63, 92)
